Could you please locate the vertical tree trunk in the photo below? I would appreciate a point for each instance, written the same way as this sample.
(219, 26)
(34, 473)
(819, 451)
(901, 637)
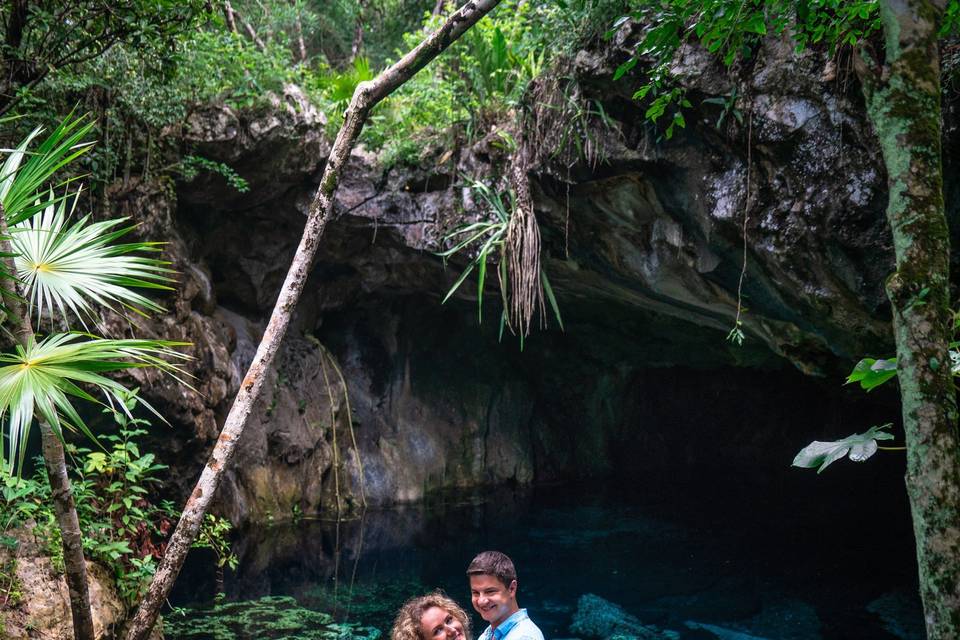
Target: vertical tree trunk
(357, 45)
(301, 46)
(366, 96)
(903, 103)
(228, 14)
(75, 566)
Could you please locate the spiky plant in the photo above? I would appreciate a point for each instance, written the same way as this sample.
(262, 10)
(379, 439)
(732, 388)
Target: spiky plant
(57, 269)
(490, 241)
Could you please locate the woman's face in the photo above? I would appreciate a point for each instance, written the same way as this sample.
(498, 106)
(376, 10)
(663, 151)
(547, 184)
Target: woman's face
(439, 624)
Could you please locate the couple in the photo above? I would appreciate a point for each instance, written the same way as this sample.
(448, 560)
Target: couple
(493, 591)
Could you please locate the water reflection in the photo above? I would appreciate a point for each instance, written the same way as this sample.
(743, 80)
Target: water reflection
(729, 559)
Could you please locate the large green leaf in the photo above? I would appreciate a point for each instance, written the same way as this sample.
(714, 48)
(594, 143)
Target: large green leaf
(70, 267)
(23, 183)
(39, 378)
(872, 373)
(858, 447)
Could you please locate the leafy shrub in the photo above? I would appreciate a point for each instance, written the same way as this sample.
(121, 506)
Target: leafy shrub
(483, 77)
(123, 527)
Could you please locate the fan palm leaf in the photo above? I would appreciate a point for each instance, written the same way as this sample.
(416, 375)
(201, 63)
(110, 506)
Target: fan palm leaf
(72, 267)
(21, 182)
(41, 377)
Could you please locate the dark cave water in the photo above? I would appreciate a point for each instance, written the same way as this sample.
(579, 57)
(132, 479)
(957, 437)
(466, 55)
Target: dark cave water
(732, 555)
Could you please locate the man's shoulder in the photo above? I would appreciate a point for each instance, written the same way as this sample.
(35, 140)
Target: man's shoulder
(525, 630)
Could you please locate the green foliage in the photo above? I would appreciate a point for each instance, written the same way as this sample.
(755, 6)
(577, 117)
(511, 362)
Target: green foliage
(143, 89)
(732, 30)
(728, 106)
(485, 243)
(339, 87)
(43, 37)
(25, 186)
(192, 166)
(736, 335)
(11, 589)
(40, 378)
(123, 525)
(485, 238)
(871, 373)
(482, 79)
(215, 535)
(69, 268)
(858, 447)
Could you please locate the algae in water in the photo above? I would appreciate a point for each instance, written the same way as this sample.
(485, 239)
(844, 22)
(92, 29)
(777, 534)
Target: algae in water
(274, 617)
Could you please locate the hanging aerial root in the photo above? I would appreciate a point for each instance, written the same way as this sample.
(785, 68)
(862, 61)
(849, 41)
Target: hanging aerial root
(522, 252)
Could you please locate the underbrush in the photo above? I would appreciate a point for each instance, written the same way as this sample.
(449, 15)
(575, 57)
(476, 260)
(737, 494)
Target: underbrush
(124, 528)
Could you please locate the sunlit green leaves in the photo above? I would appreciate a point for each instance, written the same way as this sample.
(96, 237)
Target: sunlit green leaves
(858, 447)
(68, 267)
(40, 378)
(26, 175)
(871, 373)
(340, 86)
(71, 267)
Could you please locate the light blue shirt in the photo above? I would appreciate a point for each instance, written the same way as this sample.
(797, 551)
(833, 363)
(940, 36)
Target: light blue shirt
(519, 626)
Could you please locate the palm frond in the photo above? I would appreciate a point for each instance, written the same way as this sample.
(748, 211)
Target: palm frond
(21, 182)
(71, 267)
(39, 378)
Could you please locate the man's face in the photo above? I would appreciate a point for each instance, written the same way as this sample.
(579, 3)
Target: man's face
(493, 600)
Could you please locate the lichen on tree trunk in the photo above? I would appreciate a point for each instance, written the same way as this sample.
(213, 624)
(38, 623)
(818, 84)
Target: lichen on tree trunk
(903, 103)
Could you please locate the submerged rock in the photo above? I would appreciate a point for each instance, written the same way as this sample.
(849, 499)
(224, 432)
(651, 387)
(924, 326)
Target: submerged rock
(721, 632)
(901, 613)
(596, 618)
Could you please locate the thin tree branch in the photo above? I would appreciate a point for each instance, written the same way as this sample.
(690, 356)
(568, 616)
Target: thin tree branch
(301, 46)
(229, 15)
(366, 96)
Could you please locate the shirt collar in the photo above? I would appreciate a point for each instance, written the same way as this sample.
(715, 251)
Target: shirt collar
(507, 625)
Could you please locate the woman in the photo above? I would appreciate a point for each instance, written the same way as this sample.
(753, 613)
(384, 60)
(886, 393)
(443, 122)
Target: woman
(431, 617)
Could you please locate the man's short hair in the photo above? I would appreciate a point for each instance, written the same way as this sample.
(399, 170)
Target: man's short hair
(493, 563)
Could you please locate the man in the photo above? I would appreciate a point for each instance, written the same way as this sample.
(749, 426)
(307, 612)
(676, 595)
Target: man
(493, 591)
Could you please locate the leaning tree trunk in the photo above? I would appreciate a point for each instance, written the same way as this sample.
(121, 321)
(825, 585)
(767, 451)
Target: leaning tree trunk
(366, 96)
(903, 103)
(74, 565)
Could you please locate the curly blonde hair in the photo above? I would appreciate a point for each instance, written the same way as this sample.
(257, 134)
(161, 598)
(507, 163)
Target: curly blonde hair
(406, 626)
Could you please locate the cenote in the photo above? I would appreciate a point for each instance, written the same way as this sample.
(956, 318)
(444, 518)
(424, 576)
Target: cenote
(578, 289)
(743, 555)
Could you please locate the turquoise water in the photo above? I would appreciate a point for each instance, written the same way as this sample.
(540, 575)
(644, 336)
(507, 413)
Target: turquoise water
(787, 557)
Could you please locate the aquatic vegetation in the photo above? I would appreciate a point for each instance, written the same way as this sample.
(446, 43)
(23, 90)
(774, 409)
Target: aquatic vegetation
(267, 617)
(369, 602)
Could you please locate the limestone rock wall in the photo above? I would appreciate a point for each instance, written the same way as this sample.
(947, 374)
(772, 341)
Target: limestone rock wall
(643, 243)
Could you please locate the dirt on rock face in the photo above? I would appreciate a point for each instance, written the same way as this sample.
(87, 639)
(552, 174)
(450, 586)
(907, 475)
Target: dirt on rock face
(42, 609)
